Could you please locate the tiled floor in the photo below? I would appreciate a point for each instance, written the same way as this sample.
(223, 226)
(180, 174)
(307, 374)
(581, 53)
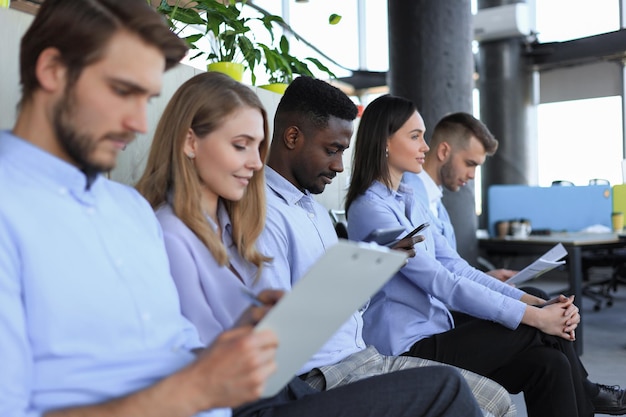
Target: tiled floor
(604, 342)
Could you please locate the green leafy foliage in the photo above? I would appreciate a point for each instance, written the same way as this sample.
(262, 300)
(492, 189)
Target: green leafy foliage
(227, 31)
(281, 66)
(231, 39)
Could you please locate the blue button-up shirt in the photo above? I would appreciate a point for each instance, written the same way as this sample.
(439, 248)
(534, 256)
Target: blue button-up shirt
(88, 310)
(429, 194)
(412, 305)
(297, 232)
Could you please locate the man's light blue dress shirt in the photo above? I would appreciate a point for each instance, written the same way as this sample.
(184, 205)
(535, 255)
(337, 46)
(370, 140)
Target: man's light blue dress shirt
(88, 309)
(429, 194)
(412, 305)
(294, 217)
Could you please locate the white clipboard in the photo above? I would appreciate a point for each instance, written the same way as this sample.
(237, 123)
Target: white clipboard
(336, 286)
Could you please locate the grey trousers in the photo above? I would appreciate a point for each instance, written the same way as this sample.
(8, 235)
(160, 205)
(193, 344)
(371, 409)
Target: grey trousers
(418, 392)
(492, 398)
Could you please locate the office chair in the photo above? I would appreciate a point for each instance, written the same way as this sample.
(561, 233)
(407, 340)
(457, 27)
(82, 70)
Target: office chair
(599, 181)
(600, 291)
(562, 183)
(340, 222)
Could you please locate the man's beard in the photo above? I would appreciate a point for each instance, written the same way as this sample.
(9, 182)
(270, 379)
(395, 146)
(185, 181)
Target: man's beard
(448, 179)
(79, 146)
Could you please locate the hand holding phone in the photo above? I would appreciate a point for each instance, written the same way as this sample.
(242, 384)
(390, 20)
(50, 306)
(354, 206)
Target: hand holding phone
(417, 230)
(408, 242)
(384, 237)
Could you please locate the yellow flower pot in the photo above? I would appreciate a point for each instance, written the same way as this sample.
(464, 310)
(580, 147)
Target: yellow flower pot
(276, 87)
(232, 69)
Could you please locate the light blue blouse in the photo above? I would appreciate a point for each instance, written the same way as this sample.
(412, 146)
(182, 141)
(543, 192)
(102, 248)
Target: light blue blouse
(412, 305)
(212, 296)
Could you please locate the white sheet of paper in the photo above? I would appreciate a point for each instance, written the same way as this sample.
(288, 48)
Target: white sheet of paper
(548, 261)
(336, 286)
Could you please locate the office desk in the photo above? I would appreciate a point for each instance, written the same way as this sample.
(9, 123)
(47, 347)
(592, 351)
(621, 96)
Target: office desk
(574, 243)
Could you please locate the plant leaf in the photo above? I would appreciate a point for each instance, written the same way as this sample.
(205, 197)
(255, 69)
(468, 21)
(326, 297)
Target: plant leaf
(334, 18)
(187, 16)
(321, 67)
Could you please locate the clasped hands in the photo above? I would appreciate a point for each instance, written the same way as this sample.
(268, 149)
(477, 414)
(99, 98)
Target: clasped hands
(563, 317)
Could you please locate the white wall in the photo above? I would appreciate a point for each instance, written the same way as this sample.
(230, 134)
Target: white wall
(12, 25)
(132, 161)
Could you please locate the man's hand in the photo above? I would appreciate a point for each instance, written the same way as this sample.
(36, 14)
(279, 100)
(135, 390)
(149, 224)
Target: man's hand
(232, 371)
(501, 274)
(254, 314)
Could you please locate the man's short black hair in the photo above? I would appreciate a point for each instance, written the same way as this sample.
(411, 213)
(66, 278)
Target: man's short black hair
(316, 101)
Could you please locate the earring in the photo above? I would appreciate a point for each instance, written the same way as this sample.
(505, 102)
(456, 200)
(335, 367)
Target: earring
(386, 152)
(191, 155)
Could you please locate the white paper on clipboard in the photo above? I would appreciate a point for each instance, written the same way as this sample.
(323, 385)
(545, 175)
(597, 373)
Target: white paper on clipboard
(336, 286)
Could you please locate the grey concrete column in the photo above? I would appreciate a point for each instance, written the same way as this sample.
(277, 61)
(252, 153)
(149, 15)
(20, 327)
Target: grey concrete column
(431, 63)
(507, 107)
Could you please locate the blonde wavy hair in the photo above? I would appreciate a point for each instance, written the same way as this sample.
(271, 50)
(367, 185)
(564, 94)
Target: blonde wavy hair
(202, 104)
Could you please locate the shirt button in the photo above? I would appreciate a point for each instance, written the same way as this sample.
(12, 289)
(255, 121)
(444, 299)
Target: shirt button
(91, 210)
(118, 262)
(146, 316)
(311, 215)
(63, 191)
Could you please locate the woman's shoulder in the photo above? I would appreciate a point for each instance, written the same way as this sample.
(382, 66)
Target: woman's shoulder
(373, 194)
(170, 223)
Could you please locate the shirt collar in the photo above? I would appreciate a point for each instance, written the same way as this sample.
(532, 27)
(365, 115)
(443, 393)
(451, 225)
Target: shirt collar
(224, 218)
(381, 190)
(283, 188)
(434, 191)
(47, 167)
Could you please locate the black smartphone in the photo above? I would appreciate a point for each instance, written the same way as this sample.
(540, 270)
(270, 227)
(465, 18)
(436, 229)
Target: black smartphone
(408, 235)
(384, 236)
(416, 230)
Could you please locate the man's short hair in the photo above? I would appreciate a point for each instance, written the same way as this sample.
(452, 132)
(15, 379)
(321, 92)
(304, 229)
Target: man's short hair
(458, 128)
(81, 30)
(315, 101)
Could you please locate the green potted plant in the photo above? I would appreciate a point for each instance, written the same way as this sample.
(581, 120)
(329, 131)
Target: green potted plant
(222, 26)
(281, 66)
(231, 42)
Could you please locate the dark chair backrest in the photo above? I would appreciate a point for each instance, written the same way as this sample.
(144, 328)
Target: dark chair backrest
(340, 222)
(342, 230)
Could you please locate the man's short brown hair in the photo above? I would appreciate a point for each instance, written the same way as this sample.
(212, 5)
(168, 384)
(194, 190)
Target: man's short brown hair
(81, 29)
(458, 128)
